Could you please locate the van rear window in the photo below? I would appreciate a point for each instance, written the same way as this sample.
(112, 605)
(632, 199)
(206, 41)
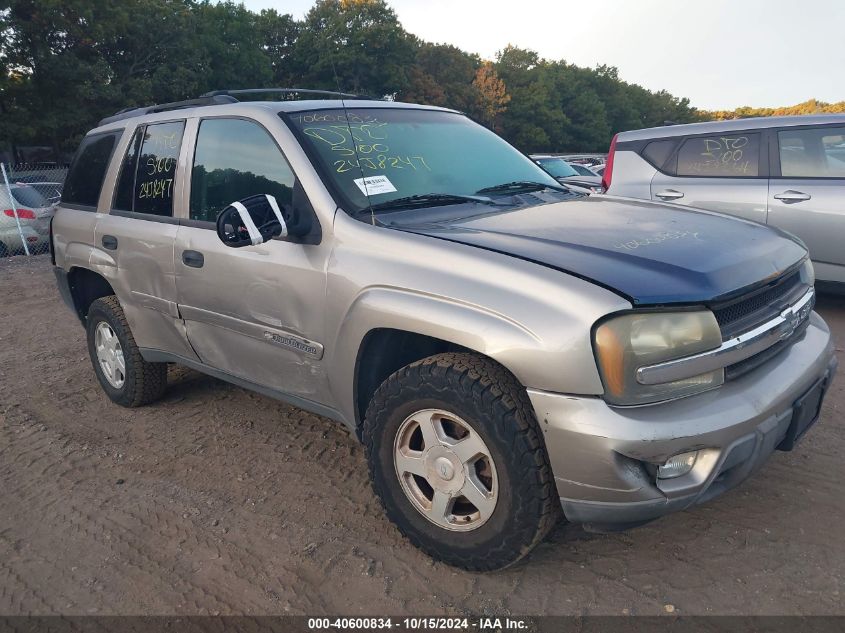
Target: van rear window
(88, 170)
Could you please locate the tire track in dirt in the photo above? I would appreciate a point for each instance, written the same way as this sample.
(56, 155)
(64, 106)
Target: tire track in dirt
(234, 503)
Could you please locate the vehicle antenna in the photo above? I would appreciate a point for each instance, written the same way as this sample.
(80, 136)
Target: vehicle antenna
(354, 144)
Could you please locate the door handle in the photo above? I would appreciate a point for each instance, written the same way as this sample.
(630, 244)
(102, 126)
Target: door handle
(194, 259)
(109, 242)
(669, 194)
(790, 196)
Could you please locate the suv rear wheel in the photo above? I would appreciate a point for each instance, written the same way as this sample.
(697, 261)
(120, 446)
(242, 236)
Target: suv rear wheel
(125, 376)
(456, 457)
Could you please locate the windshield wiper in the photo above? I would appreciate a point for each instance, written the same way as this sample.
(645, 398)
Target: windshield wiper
(427, 200)
(522, 185)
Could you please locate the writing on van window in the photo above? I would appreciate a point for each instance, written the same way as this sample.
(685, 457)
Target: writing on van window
(157, 168)
(719, 156)
(359, 142)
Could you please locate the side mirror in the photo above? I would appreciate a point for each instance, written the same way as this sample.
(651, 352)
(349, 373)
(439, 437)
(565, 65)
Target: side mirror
(253, 220)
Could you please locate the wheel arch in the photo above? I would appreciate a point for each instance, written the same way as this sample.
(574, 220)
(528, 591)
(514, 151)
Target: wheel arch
(386, 329)
(382, 352)
(86, 286)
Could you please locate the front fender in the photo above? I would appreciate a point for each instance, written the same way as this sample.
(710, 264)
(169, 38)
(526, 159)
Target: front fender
(530, 355)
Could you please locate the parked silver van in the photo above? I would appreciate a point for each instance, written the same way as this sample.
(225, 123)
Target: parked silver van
(787, 172)
(507, 351)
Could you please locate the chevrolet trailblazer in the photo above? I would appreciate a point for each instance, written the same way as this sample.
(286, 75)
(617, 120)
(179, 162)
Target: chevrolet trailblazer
(508, 351)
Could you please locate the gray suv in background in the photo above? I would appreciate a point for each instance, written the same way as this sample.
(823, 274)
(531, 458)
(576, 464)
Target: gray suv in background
(787, 172)
(504, 348)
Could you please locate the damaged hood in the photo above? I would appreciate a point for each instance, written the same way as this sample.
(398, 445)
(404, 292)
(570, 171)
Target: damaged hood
(650, 253)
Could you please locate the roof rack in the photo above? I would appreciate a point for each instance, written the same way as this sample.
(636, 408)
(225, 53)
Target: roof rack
(220, 97)
(128, 113)
(290, 91)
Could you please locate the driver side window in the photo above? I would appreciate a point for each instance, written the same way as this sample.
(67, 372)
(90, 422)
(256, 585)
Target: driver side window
(235, 159)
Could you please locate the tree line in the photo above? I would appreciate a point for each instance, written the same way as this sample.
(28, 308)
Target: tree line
(64, 64)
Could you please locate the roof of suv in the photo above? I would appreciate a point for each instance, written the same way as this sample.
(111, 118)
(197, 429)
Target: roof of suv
(708, 127)
(244, 107)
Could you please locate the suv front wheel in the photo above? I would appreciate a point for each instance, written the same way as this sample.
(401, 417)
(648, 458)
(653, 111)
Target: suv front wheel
(124, 375)
(457, 459)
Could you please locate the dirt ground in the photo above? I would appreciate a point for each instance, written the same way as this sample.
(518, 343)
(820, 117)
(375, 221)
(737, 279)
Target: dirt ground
(218, 500)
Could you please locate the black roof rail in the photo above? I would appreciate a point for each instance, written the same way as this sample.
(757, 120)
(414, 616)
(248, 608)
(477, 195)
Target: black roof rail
(219, 97)
(290, 91)
(205, 100)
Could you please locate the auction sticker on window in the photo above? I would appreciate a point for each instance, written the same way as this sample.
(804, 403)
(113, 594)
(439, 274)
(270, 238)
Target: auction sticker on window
(372, 185)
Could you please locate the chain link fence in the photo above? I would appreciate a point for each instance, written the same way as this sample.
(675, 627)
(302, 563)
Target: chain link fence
(28, 195)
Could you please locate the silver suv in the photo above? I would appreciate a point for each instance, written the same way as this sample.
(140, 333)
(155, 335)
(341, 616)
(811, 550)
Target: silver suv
(504, 348)
(787, 172)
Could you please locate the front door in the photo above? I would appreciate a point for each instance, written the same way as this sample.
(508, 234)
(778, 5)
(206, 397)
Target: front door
(807, 194)
(255, 313)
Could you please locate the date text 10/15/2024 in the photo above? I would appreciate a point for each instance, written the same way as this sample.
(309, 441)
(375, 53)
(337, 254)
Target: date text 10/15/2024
(419, 623)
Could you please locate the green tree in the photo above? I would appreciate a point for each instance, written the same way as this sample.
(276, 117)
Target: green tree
(277, 35)
(359, 40)
(443, 75)
(534, 122)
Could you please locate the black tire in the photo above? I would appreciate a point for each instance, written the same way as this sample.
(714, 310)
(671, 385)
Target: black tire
(144, 382)
(491, 400)
(4, 251)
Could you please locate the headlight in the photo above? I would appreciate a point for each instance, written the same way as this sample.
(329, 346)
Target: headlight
(625, 343)
(808, 273)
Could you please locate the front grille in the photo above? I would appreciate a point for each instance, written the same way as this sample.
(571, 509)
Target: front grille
(750, 310)
(744, 366)
(756, 308)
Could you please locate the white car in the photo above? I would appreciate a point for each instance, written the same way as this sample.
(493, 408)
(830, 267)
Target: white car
(33, 212)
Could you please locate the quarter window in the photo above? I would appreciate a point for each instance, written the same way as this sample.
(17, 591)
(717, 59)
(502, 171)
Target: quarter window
(812, 153)
(86, 175)
(235, 159)
(126, 183)
(723, 156)
(658, 152)
(148, 176)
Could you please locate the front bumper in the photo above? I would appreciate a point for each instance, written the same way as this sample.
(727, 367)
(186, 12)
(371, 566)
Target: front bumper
(604, 457)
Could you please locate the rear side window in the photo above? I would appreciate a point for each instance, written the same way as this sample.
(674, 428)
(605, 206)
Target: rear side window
(812, 153)
(148, 174)
(722, 156)
(126, 183)
(88, 170)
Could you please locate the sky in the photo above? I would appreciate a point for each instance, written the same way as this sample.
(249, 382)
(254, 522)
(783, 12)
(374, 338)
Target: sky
(721, 54)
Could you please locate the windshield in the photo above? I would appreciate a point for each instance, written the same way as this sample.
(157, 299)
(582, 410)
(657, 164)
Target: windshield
(393, 153)
(557, 167)
(29, 197)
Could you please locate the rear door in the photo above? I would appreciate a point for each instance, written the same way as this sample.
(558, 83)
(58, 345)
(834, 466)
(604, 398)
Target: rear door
(76, 216)
(138, 234)
(807, 193)
(719, 172)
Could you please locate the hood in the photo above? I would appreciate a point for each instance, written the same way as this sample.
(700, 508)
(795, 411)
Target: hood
(650, 253)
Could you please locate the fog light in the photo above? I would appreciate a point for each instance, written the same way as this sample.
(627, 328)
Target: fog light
(677, 465)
